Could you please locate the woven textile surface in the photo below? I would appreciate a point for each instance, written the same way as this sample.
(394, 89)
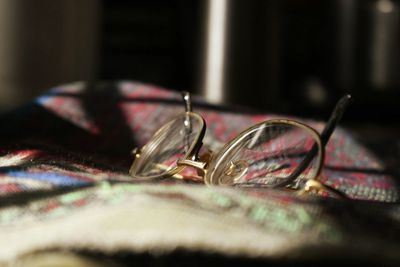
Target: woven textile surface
(61, 155)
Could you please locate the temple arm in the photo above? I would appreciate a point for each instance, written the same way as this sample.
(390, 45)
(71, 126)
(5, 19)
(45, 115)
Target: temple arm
(330, 126)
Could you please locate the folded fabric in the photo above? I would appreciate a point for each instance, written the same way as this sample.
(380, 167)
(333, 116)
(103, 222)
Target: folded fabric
(60, 158)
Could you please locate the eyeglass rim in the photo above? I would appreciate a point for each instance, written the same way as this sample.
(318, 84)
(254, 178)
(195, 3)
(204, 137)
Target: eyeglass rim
(197, 143)
(191, 154)
(234, 141)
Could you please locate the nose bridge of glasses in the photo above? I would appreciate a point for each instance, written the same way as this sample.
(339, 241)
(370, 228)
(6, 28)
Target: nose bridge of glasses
(199, 163)
(200, 166)
(192, 163)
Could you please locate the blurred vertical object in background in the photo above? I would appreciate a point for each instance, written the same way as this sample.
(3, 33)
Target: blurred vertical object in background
(215, 38)
(45, 43)
(241, 52)
(367, 34)
(366, 55)
(382, 37)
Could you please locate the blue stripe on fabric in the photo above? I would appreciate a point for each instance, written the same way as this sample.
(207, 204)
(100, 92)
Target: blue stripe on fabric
(41, 100)
(47, 96)
(53, 178)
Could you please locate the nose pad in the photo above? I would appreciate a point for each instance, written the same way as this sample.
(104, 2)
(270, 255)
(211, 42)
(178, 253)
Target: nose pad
(233, 172)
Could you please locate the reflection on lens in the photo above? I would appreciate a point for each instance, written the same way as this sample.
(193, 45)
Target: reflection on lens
(175, 140)
(272, 153)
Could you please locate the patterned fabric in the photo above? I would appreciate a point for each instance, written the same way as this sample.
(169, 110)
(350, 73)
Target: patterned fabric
(77, 134)
(78, 138)
(162, 218)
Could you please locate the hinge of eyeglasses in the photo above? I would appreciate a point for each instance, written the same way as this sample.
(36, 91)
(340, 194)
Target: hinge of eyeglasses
(315, 187)
(136, 153)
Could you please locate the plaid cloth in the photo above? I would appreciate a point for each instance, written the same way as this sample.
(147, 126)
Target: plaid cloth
(79, 137)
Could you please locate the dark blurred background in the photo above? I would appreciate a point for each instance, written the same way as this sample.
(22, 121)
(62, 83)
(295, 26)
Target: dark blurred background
(286, 56)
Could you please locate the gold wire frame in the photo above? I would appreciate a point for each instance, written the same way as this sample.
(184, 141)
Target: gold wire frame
(208, 179)
(191, 157)
(206, 165)
(145, 151)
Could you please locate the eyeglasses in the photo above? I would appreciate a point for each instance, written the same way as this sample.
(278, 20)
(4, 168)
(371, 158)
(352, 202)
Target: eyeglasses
(278, 153)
